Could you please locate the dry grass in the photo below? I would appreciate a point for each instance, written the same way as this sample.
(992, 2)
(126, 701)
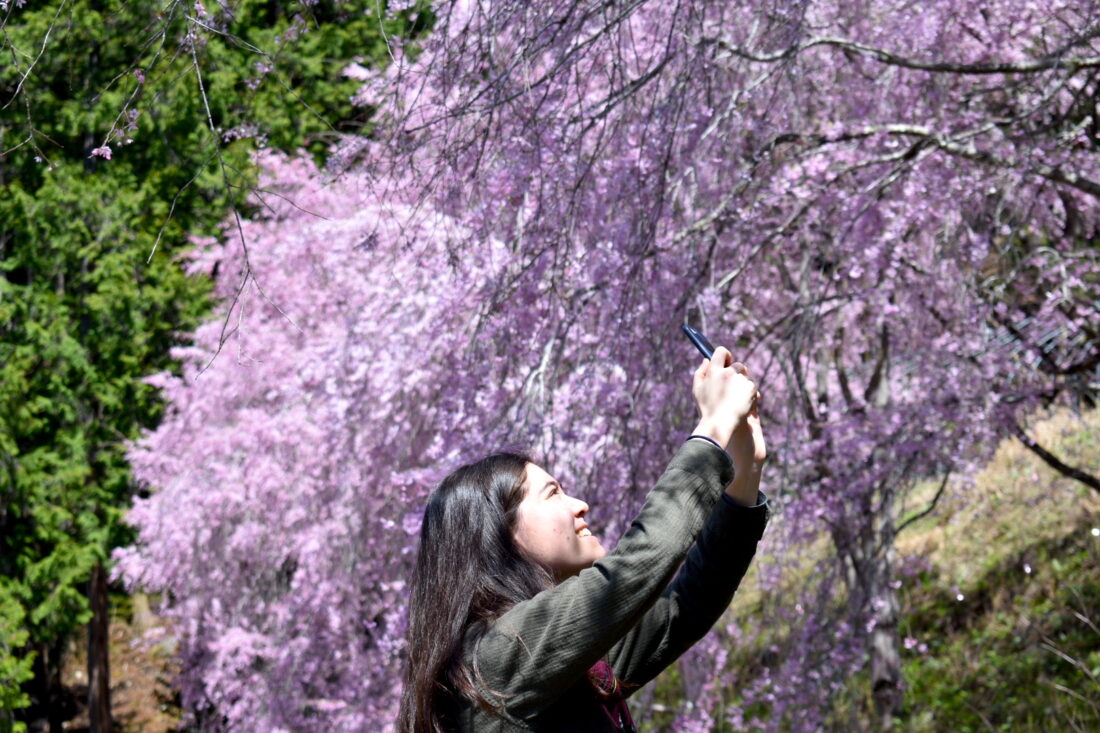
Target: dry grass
(1016, 501)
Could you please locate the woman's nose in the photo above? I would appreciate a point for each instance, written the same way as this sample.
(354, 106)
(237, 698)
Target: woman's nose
(581, 508)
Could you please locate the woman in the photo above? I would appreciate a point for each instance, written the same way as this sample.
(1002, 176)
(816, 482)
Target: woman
(520, 619)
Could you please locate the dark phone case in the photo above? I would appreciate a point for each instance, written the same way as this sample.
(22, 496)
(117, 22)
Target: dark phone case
(700, 341)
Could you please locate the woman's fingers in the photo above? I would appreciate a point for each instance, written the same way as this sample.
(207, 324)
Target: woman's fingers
(725, 394)
(721, 357)
(721, 378)
(759, 446)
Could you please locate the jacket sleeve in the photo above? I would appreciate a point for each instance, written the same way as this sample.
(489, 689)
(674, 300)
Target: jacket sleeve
(542, 646)
(697, 598)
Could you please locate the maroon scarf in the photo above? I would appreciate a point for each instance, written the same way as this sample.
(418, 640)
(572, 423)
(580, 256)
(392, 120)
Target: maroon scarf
(612, 696)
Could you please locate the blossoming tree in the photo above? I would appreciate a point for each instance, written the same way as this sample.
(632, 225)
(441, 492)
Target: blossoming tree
(898, 238)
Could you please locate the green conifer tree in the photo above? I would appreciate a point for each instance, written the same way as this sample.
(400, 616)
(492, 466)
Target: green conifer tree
(126, 129)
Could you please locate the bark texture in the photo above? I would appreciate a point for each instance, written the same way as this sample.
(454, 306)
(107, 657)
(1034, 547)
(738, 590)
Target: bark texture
(99, 688)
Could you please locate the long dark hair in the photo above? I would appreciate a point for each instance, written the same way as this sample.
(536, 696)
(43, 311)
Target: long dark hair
(469, 571)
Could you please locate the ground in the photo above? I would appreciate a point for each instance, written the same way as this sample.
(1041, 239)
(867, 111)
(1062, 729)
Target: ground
(142, 698)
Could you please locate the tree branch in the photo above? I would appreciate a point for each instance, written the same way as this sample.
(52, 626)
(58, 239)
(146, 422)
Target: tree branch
(1072, 64)
(1051, 460)
(952, 145)
(842, 374)
(928, 509)
(872, 393)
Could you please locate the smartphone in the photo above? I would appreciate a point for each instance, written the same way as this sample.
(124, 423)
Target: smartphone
(696, 336)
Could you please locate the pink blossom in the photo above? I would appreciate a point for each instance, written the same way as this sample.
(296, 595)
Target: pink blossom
(507, 264)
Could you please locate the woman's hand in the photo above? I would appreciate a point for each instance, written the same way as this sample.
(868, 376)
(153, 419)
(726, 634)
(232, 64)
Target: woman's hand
(724, 395)
(749, 452)
(746, 446)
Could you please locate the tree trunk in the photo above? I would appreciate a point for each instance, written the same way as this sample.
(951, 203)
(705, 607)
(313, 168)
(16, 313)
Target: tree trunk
(886, 682)
(99, 689)
(142, 618)
(48, 702)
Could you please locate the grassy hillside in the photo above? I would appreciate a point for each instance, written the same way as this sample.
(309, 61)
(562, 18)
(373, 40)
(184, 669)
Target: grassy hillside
(1000, 600)
(1021, 650)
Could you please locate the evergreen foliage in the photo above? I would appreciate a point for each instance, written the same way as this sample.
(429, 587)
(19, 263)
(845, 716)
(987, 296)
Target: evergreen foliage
(108, 165)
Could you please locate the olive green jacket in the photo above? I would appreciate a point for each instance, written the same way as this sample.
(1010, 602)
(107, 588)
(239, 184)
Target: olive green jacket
(533, 661)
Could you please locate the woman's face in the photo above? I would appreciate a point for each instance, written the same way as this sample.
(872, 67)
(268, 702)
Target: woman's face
(551, 529)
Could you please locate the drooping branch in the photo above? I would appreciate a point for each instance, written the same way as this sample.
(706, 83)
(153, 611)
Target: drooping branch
(1069, 178)
(30, 67)
(476, 102)
(1053, 461)
(928, 509)
(951, 144)
(954, 146)
(1071, 64)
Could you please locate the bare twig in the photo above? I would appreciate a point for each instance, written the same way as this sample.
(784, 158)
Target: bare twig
(172, 208)
(41, 50)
